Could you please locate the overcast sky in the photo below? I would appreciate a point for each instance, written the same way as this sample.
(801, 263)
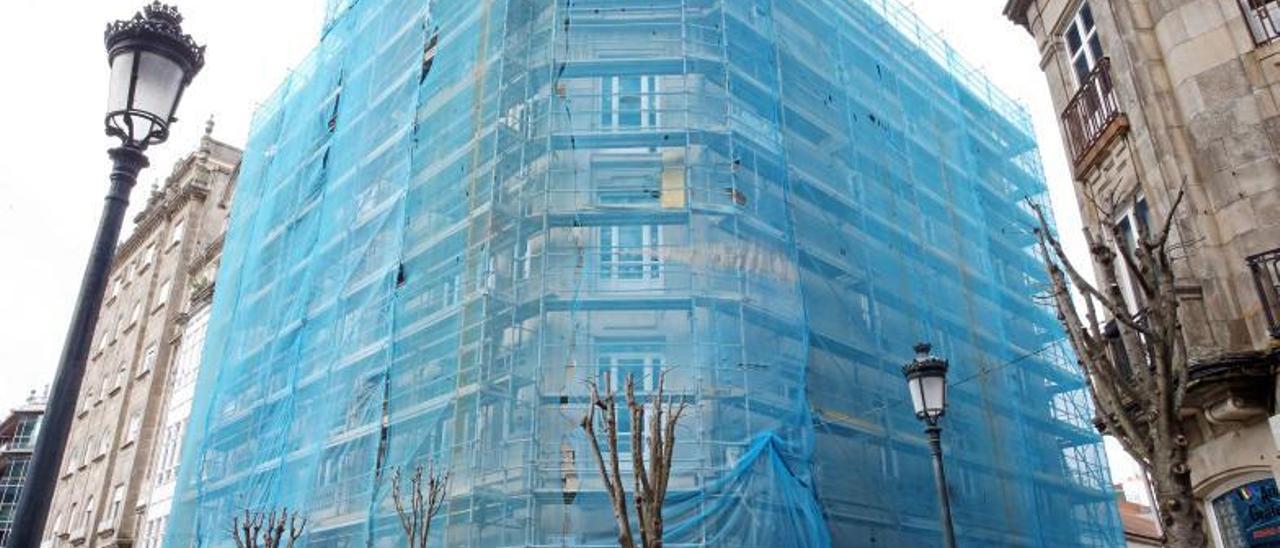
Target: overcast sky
(53, 165)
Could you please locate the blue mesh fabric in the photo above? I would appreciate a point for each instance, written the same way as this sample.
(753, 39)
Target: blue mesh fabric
(456, 212)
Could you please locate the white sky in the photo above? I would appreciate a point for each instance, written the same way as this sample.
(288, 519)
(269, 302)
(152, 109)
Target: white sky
(53, 165)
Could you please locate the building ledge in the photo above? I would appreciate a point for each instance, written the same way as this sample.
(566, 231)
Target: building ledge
(1232, 387)
(1016, 12)
(1117, 126)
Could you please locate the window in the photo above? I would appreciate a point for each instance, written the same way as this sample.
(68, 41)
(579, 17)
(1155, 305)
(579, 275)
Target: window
(87, 454)
(71, 459)
(105, 335)
(121, 372)
(179, 230)
(630, 253)
(629, 101)
(106, 385)
(1128, 226)
(135, 313)
(135, 426)
(115, 287)
(58, 525)
(113, 512)
(87, 520)
(1262, 17)
(1244, 515)
(149, 256)
(148, 359)
(1083, 44)
(76, 519)
(642, 359)
(162, 295)
(88, 399)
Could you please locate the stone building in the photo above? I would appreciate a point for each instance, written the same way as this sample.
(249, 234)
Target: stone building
(121, 402)
(187, 350)
(1159, 95)
(17, 441)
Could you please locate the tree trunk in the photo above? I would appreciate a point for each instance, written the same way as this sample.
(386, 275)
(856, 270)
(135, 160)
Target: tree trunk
(1180, 514)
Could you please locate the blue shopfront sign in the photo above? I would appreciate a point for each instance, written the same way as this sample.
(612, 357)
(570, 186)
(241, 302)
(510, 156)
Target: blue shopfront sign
(1249, 515)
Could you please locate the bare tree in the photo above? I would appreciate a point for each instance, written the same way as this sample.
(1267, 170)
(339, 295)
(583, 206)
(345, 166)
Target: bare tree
(258, 529)
(425, 497)
(1137, 374)
(651, 455)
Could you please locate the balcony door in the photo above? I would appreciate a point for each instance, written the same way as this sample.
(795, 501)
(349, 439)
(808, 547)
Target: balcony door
(1083, 44)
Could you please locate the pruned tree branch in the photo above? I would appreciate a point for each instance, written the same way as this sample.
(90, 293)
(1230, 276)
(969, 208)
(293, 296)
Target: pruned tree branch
(653, 437)
(267, 529)
(1137, 379)
(426, 496)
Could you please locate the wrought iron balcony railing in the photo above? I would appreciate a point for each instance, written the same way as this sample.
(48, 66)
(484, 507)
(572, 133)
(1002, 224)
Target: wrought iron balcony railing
(1091, 111)
(1266, 277)
(1261, 16)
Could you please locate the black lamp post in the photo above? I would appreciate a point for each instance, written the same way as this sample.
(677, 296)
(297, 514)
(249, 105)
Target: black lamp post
(152, 62)
(927, 382)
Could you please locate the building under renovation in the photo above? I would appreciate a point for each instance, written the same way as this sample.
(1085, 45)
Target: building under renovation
(456, 213)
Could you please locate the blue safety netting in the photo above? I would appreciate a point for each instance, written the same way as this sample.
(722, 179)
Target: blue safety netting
(456, 212)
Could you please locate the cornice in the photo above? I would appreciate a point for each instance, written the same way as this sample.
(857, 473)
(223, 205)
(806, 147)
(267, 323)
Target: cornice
(191, 178)
(1016, 12)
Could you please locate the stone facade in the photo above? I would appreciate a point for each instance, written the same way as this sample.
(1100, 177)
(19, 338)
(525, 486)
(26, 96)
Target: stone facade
(1196, 89)
(102, 491)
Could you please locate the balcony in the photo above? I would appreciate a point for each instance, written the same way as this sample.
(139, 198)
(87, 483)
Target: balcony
(1092, 118)
(1266, 278)
(1260, 16)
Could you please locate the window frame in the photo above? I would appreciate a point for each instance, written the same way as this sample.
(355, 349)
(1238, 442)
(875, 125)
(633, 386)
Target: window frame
(1229, 484)
(611, 262)
(1087, 37)
(649, 95)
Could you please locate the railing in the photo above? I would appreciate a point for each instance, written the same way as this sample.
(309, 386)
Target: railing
(1091, 110)
(1266, 277)
(1261, 16)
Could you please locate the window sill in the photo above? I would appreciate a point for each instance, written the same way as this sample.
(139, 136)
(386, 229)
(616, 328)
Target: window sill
(129, 327)
(83, 411)
(99, 457)
(126, 445)
(142, 373)
(106, 531)
(113, 390)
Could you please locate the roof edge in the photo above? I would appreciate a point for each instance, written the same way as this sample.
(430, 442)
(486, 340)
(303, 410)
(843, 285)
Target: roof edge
(1016, 11)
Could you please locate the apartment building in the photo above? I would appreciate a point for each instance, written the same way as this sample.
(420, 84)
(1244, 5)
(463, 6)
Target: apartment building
(187, 352)
(455, 214)
(18, 433)
(1156, 96)
(121, 402)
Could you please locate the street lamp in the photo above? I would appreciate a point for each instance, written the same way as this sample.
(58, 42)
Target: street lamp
(152, 62)
(927, 382)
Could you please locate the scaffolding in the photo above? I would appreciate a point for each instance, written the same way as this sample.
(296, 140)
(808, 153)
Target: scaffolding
(456, 212)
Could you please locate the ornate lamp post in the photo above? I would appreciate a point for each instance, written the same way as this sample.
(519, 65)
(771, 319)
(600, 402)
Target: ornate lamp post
(927, 382)
(152, 62)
